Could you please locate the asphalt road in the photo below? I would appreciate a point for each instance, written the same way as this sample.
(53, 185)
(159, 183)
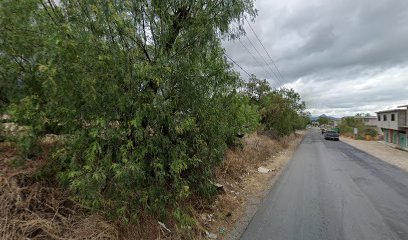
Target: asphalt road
(331, 190)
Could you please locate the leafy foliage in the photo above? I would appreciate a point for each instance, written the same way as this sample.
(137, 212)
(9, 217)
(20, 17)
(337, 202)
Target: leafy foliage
(348, 124)
(323, 120)
(282, 110)
(141, 93)
(371, 132)
(140, 88)
(257, 88)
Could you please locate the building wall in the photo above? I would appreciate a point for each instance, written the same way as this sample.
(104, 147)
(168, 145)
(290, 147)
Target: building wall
(406, 118)
(369, 121)
(390, 124)
(395, 132)
(402, 118)
(372, 122)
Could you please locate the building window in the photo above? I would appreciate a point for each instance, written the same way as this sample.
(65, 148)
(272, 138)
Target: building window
(379, 117)
(393, 117)
(385, 117)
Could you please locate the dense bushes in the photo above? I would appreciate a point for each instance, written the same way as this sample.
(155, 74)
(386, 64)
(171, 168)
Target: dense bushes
(140, 91)
(282, 110)
(371, 132)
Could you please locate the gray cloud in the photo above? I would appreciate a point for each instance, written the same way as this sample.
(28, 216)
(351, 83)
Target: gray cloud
(343, 56)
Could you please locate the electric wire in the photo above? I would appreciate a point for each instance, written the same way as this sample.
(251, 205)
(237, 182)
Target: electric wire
(264, 48)
(264, 60)
(256, 60)
(232, 60)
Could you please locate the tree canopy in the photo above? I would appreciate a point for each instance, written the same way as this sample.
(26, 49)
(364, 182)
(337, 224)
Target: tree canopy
(281, 110)
(323, 120)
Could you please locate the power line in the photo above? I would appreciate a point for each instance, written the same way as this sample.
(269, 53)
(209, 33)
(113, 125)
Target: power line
(279, 76)
(278, 80)
(253, 56)
(259, 40)
(276, 76)
(237, 64)
(265, 50)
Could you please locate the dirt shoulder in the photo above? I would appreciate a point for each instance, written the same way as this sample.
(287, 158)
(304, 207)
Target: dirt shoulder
(382, 151)
(234, 209)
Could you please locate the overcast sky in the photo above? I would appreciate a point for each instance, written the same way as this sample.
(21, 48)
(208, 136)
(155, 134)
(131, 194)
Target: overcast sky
(342, 56)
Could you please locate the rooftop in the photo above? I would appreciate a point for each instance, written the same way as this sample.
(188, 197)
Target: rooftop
(392, 110)
(373, 117)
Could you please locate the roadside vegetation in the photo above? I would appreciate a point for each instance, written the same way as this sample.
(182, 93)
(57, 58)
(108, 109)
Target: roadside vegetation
(123, 110)
(348, 124)
(323, 120)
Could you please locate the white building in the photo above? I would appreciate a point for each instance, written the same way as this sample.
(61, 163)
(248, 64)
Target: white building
(394, 124)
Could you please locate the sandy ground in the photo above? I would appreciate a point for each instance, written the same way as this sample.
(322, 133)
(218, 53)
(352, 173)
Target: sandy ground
(382, 151)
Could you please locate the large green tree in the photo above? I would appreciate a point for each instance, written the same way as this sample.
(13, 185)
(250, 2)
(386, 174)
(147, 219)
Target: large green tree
(282, 110)
(323, 120)
(257, 88)
(140, 88)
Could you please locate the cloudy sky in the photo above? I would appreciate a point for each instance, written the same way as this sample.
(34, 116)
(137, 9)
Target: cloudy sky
(342, 56)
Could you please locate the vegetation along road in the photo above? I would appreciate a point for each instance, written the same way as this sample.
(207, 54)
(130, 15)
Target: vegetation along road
(331, 190)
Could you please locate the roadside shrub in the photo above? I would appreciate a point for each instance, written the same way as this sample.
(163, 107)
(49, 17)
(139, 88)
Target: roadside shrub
(348, 124)
(242, 118)
(371, 132)
(346, 129)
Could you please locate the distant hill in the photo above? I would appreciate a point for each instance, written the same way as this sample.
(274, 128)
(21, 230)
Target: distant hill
(314, 118)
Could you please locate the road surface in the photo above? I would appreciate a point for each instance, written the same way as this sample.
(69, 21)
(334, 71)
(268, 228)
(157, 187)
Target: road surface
(331, 190)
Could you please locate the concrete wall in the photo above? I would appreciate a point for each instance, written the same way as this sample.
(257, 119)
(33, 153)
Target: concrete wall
(406, 118)
(371, 122)
(368, 121)
(400, 120)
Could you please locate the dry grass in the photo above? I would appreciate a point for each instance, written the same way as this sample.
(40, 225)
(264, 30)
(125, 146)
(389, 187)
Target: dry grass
(39, 209)
(148, 228)
(256, 149)
(240, 179)
(31, 209)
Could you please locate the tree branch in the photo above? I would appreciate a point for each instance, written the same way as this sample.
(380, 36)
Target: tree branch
(181, 17)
